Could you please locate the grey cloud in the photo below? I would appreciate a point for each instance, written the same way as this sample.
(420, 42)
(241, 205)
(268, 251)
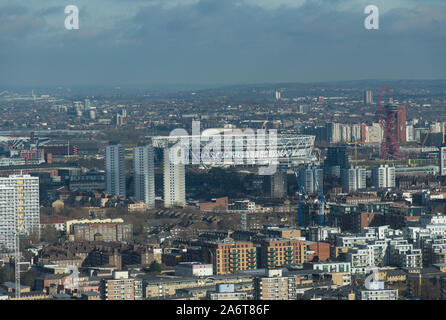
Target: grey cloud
(18, 22)
(234, 41)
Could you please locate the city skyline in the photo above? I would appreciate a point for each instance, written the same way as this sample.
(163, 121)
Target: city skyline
(217, 150)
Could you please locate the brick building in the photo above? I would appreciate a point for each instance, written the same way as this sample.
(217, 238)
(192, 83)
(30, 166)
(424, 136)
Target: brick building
(102, 232)
(121, 287)
(278, 252)
(230, 256)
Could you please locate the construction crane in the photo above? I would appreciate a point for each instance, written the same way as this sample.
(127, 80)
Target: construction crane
(425, 138)
(321, 214)
(301, 192)
(356, 143)
(356, 149)
(18, 287)
(15, 236)
(299, 198)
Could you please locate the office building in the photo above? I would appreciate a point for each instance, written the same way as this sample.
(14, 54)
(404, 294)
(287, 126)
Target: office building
(336, 160)
(337, 156)
(144, 175)
(115, 170)
(353, 179)
(383, 176)
(174, 181)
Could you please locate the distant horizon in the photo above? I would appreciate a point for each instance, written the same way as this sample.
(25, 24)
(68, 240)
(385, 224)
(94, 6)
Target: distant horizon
(203, 86)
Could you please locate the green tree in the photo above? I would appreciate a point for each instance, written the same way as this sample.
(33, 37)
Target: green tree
(49, 234)
(28, 278)
(6, 274)
(155, 267)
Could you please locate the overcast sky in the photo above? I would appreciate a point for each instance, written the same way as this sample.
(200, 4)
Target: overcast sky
(158, 42)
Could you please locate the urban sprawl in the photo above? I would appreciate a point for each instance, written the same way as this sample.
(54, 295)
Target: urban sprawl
(92, 206)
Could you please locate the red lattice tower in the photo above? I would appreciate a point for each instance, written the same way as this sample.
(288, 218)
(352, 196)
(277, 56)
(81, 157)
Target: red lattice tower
(390, 146)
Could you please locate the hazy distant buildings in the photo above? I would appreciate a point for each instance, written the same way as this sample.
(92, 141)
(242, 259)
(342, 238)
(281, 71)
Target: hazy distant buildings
(174, 181)
(356, 132)
(353, 179)
(115, 170)
(383, 176)
(277, 95)
(410, 133)
(374, 133)
(92, 114)
(79, 108)
(368, 97)
(144, 175)
(119, 120)
(87, 105)
(345, 132)
(333, 132)
(401, 122)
